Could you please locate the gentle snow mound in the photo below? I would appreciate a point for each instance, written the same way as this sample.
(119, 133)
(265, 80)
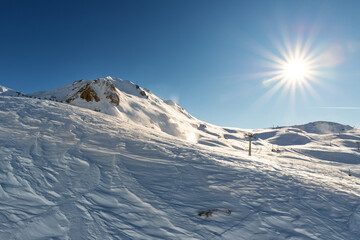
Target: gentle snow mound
(321, 127)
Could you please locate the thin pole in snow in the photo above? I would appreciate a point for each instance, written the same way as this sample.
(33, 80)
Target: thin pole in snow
(250, 136)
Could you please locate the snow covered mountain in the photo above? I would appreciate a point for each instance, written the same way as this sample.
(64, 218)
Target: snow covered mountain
(128, 101)
(139, 167)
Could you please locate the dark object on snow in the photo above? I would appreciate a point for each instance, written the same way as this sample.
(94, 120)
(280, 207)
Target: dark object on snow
(142, 93)
(202, 126)
(205, 213)
(210, 212)
(137, 86)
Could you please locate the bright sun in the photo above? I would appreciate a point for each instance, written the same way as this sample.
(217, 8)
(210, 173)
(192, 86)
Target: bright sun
(293, 68)
(296, 70)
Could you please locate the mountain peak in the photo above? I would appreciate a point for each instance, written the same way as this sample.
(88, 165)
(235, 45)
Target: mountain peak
(126, 100)
(101, 89)
(90, 91)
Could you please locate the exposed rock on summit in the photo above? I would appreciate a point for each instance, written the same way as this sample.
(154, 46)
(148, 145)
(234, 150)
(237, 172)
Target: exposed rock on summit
(87, 93)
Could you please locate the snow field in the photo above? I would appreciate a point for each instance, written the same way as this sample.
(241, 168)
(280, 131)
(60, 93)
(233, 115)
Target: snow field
(72, 173)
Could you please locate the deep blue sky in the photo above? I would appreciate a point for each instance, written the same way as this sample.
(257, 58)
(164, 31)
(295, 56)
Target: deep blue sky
(207, 55)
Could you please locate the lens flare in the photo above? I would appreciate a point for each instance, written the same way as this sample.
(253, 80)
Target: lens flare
(291, 68)
(294, 66)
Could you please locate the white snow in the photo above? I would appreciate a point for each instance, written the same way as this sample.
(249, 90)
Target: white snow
(148, 170)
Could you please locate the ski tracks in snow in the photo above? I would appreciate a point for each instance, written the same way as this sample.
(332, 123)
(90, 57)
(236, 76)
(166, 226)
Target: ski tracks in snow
(70, 173)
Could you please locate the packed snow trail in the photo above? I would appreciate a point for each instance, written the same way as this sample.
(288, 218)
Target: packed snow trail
(72, 173)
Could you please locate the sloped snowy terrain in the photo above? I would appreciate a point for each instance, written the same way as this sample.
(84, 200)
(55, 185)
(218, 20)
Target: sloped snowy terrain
(69, 172)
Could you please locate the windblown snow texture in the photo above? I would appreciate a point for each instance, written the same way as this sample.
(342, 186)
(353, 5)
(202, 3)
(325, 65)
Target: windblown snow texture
(146, 169)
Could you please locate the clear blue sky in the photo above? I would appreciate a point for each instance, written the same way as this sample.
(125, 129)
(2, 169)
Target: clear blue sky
(210, 56)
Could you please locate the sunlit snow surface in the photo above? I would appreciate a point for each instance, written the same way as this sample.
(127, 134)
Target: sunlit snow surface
(71, 173)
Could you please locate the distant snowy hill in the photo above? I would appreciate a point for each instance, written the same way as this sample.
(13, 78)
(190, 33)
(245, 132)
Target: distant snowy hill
(322, 127)
(303, 134)
(107, 159)
(4, 91)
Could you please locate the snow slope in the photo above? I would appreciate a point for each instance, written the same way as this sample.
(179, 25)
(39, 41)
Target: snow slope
(69, 172)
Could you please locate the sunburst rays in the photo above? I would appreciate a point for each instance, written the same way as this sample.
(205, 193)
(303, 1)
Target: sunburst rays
(291, 69)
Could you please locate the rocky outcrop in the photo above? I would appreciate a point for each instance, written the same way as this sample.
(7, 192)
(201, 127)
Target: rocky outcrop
(86, 92)
(89, 93)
